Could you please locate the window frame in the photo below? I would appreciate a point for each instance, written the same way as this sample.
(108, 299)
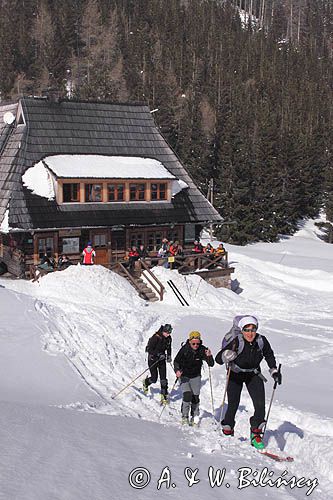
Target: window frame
(137, 191)
(158, 191)
(86, 184)
(71, 184)
(116, 186)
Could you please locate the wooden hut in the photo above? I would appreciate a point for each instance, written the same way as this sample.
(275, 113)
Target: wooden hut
(77, 171)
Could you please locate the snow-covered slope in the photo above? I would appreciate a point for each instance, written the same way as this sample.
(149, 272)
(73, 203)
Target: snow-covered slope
(96, 328)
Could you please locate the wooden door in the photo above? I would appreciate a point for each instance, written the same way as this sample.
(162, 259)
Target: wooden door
(100, 245)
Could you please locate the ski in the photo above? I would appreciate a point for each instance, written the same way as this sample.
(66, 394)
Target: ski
(178, 292)
(274, 456)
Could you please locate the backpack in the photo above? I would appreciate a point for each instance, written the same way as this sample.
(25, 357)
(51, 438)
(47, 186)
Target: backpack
(235, 333)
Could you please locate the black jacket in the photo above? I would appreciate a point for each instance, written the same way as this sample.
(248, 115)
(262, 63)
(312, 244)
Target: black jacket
(251, 356)
(158, 344)
(190, 361)
(143, 253)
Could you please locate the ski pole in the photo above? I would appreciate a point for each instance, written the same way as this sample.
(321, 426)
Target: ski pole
(211, 391)
(130, 383)
(270, 404)
(172, 388)
(225, 393)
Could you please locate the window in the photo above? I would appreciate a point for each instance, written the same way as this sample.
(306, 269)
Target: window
(93, 192)
(158, 191)
(137, 239)
(137, 192)
(45, 246)
(100, 240)
(115, 192)
(174, 234)
(118, 239)
(154, 241)
(70, 192)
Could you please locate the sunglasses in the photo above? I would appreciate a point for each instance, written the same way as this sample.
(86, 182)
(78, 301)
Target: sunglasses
(248, 330)
(194, 343)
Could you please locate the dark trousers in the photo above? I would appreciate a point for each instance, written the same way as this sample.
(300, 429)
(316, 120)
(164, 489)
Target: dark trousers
(155, 370)
(256, 390)
(131, 262)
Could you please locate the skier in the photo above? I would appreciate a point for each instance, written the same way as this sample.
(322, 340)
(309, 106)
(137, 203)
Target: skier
(88, 255)
(159, 351)
(243, 354)
(187, 366)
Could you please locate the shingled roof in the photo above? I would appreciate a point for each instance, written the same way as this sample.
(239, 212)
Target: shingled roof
(71, 127)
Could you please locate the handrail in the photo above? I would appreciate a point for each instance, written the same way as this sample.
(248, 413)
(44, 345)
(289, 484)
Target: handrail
(128, 274)
(161, 288)
(201, 261)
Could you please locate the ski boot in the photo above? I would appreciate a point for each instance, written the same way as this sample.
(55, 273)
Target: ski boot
(185, 421)
(227, 430)
(145, 387)
(164, 399)
(256, 439)
(194, 422)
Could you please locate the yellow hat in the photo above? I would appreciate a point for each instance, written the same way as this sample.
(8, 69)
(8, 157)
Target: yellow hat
(194, 335)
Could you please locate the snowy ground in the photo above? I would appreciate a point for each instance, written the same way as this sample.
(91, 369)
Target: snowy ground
(69, 343)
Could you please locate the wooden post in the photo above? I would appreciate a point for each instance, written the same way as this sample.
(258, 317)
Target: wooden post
(55, 246)
(35, 243)
(82, 192)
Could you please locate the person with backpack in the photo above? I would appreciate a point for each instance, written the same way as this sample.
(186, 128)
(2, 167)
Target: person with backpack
(159, 351)
(187, 365)
(243, 349)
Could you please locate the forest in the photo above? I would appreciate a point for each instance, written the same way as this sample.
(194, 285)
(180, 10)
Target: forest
(240, 89)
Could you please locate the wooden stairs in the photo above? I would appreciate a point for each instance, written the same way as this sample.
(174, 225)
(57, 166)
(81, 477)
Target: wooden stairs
(152, 292)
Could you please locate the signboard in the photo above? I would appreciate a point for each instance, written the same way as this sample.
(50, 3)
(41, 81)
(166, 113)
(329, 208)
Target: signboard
(70, 245)
(69, 232)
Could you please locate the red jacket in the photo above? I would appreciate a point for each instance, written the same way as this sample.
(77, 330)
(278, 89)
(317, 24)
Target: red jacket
(173, 250)
(198, 248)
(88, 255)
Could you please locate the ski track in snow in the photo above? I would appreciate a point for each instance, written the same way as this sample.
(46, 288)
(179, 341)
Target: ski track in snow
(99, 360)
(105, 344)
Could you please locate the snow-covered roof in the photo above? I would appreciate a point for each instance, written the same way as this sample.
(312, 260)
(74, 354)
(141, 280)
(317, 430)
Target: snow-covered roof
(4, 226)
(38, 180)
(110, 167)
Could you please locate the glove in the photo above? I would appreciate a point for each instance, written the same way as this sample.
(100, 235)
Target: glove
(161, 357)
(276, 375)
(169, 359)
(228, 355)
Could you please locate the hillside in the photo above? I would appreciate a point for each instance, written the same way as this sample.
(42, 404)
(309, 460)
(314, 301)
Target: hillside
(244, 98)
(66, 349)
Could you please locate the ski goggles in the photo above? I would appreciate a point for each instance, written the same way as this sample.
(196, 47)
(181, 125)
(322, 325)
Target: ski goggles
(249, 330)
